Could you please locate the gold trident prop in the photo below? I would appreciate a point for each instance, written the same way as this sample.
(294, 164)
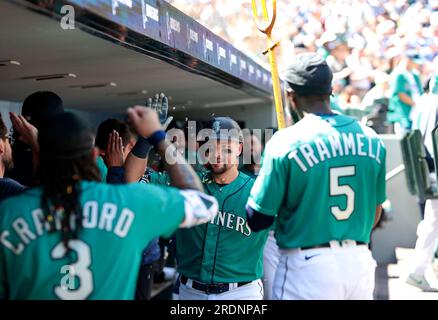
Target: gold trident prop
(266, 28)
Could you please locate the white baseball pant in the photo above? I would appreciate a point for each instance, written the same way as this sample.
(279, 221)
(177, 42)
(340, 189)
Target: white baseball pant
(335, 273)
(271, 258)
(427, 232)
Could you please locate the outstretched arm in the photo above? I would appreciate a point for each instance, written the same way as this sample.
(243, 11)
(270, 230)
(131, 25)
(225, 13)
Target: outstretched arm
(406, 99)
(137, 160)
(378, 215)
(147, 124)
(28, 134)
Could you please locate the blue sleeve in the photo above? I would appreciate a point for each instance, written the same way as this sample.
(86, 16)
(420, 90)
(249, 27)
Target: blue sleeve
(10, 188)
(116, 175)
(152, 252)
(258, 221)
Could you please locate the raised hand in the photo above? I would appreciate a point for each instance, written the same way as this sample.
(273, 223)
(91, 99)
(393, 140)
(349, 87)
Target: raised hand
(28, 133)
(114, 151)
(160, 104)
(145, 120)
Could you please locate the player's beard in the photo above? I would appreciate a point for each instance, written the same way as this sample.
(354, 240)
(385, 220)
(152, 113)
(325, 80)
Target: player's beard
(8, 164)
(218, 168)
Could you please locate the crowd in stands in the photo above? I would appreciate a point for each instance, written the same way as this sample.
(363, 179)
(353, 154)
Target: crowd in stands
(375, 48)
(384, 58)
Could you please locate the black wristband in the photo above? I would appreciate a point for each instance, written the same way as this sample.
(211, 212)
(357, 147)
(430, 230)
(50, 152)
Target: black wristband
(157, 137)
(141, 148)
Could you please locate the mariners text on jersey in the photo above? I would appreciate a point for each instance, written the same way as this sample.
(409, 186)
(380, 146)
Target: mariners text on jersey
(232, 221)
(105, 218)
(336, 145)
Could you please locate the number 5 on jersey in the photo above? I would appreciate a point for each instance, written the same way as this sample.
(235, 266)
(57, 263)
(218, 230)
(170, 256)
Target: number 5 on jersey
(342, 190)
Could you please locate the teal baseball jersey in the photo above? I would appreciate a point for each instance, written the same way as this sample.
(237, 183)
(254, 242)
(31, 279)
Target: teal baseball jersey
(324, 177)
(102, 168)
(254, 176)
(225, 250)
(248, 172)
(117, 223)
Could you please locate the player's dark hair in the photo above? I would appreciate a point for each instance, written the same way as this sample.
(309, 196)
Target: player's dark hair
(105, 129)
(60, 180)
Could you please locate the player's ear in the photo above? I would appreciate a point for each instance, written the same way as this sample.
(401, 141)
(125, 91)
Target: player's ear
(240, 149)
(100, 152)
(130, 146)
(291, 100)
(2, 147)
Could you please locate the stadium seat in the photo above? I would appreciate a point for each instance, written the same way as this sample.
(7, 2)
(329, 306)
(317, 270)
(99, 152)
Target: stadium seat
(417, 170)
(355, 113)
(409, 167)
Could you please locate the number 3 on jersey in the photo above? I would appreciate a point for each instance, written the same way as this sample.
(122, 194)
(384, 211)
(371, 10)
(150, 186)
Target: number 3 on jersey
(79, 269)
(342, 190)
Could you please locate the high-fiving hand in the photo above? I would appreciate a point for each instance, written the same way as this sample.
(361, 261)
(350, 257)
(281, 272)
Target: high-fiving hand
(160, 103)
(145, 120)
(114, 151)
(28, 133)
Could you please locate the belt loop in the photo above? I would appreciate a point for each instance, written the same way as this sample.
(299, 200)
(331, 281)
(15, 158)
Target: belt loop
(349, 243)
(334, 244)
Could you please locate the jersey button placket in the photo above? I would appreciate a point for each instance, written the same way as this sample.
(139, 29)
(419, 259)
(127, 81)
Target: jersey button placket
(211, 243)
(209, 252)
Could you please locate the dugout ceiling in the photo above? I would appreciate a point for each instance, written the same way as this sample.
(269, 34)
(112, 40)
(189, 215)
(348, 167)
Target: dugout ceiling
(103, 65)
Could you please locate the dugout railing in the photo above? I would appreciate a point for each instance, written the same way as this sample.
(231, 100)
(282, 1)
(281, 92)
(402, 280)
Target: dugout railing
(418, 174)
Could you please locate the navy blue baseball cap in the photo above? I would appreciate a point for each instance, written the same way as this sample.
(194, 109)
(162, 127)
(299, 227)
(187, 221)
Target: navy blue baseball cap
(40, 105)
(309, 74)
(224, 128)
(67, 136)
